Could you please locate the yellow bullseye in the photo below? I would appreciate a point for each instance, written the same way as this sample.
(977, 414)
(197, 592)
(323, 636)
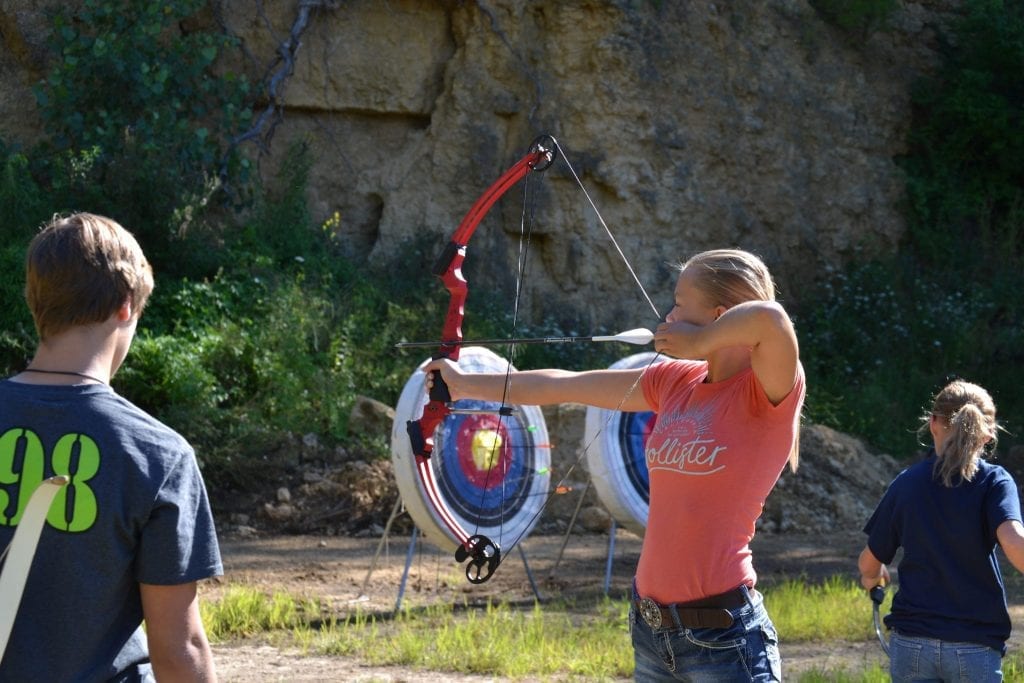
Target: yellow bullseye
(486, 447)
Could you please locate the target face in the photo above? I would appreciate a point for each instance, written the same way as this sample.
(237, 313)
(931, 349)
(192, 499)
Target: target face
(615, 457)
(492, 471)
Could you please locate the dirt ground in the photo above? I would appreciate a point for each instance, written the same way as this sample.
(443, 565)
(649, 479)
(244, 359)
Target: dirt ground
(341, 572)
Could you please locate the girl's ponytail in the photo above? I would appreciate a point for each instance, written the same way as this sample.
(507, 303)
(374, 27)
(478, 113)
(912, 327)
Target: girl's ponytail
(969, 412)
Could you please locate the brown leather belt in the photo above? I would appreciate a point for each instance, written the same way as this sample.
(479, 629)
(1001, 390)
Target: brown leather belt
(709, 612)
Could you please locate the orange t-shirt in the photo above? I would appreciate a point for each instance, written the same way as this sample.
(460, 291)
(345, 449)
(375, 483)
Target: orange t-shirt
(714, 455)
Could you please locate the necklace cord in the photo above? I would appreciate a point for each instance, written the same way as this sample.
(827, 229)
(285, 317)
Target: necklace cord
(65, 372)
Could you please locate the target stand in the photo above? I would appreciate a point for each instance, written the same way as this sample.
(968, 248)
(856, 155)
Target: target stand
(568, 532)
(410, 554)
(493, 472)
(615, 456)
(615, 443)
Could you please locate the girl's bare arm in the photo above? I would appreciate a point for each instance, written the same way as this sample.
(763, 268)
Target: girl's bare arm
(611, 389)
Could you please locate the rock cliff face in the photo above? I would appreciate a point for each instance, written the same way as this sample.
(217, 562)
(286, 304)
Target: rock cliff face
(692, 125)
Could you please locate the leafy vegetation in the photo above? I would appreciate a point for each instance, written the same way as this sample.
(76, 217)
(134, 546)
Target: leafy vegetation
(260, 330)
(886, 334)
(964, 170)
(139, 125)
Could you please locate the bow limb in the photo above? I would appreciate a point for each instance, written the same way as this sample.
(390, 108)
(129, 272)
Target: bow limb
(483, 553)
(21, 551)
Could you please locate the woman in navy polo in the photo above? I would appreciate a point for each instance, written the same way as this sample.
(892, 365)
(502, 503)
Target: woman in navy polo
(948, 512)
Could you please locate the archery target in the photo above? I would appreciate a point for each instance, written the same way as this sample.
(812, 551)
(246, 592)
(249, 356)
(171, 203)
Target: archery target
(492, 471)
(615, 456)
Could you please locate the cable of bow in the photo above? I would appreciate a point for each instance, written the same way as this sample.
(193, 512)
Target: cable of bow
(482, 553)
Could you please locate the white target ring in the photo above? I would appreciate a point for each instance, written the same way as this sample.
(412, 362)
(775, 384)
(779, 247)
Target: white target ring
(493, 472)
(615, 457)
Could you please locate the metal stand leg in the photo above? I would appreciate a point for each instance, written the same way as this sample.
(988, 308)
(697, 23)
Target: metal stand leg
(529, 574)
(611, 554)
(572, 523)
(405, 572)
(383, 539)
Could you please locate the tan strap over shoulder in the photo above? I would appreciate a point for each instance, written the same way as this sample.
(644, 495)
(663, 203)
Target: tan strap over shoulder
(21, 551)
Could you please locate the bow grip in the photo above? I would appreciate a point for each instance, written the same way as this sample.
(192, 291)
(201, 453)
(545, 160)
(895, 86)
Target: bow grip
(438, 394)
(439, 388)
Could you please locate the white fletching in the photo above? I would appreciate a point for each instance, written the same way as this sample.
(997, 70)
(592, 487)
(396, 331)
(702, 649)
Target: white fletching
(638, 336)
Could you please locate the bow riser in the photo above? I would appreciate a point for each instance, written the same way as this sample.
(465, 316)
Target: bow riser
(421, 432)
(458, 290)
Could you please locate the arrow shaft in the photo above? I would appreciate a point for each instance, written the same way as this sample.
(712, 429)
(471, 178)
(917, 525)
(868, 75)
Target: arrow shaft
(637, 336)
(484, 342)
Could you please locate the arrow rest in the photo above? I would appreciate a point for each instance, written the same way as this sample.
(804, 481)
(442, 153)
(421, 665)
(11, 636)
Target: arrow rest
(483, 554)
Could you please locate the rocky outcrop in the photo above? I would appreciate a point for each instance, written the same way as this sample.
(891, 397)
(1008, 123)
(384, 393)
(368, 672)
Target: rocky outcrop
(837, 486)
(691, 125)
(23, 59)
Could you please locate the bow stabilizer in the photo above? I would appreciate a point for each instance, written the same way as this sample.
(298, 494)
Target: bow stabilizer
(483, 554)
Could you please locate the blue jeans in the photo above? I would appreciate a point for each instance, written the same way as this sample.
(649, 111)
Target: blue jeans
(746, 651)
(927, 659)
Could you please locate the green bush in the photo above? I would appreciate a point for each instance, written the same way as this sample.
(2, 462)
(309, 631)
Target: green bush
(883, 336)
(880, 338)
(22, 209)
(166, 373)
(965, 174)
(23, 203)
(139, 124)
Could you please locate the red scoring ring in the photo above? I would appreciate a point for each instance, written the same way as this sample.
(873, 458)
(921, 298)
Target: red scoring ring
(482, 478)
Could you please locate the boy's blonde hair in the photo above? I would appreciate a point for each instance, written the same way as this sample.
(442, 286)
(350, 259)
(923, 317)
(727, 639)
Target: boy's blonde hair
(80, 269)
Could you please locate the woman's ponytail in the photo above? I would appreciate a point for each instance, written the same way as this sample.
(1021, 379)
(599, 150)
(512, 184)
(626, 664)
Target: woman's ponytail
(969, 412)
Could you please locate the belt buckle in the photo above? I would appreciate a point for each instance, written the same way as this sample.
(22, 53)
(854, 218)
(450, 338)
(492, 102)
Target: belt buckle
(651, 612)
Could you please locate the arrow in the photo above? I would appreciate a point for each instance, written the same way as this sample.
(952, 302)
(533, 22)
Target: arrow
(639, 336)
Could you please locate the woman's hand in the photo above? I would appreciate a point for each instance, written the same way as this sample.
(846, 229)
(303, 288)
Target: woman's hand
(451, 374)
(881, 579)
(873, 572)
(678, 339)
